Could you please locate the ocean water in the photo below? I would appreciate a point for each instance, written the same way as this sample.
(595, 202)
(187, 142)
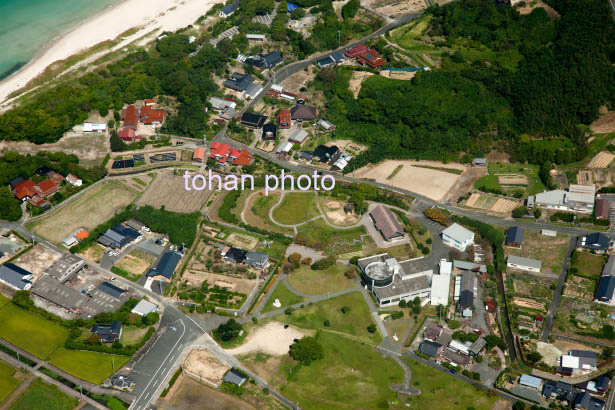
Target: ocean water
(27, 26)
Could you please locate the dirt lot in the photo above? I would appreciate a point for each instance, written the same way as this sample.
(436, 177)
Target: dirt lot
(396, 8)
(604, 124)
(242, 241)
(334, 210)
(204, 364)
(601, 160)
(512, 180)
(550, 353)
(465, 183)
(168, 190)
(398, 75)
(88, 210)
(192, 395)
(529, 6)
(90, 149)
(578, 287)
(566, 346)
(94, 252)
(357, 79)
(271, 339)
(37, 259)
(136, 262)
(585, 177)
(241, 285)
(432, 183)
(492, 203)
(551, 251)
(529, 303)
(348, 146)
(267, 146)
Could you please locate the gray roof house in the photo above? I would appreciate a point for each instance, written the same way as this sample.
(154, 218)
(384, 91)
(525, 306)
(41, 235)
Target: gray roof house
(527, 264)
(235, 377)
(478, 346)
(514, 236)
(166, 265)
(596, 241)
(15, 277)
(257, 260)
(469, 287)
(230, 9)
(239, 82)
(111, 290)
(585, 401)
(431, 349)
(108, 333)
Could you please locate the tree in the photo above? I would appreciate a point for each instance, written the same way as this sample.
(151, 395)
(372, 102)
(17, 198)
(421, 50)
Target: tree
(402, 303)
(519, 212)
(533, 357)
(306, 350)
(10, 207)
(294, 257)
(151, 318)
(493, 340)
(350, 9)
(372, 328)
(518, 405)
(228, 331)
(324, 263)
(345, 309)
(117, 144)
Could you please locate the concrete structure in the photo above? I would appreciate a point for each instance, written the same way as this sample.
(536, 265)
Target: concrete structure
(391, 281)
(65, 267)
(527, 264)
(94, 127)
(458, 237)
(441, 284)
(578, 198)
(144, 307)
(579, 361)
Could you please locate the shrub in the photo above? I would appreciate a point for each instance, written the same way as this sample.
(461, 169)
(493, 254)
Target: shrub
(324, 263)
(345, 309)
(372, 328)
(306, 350)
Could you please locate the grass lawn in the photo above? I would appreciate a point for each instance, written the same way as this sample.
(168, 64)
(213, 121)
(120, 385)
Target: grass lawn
(263, 204)
(588, 265)
(551, 251)
(319, 235)
(436, 387)
(7, 382)
(320, 282)
(42, 396)
(90, 366)
(500, 168)
(286, 297)
(31, 332)
(351, 373)
(132, 335)
(3, 300)
(354, 322)
(296, 207)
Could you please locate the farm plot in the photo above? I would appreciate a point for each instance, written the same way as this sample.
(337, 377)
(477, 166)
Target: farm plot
(8, 382)
(136, 262)
(513, 180)
(532, 288)
(491, 203)
(529, 303)
(37, 259)
(94, 252)
(168, 190)
(511, 172)
(234, 284)
(87, 210)
(246, 242)
(550, 250)
(578, 287)
(585, 177)
(601, 160)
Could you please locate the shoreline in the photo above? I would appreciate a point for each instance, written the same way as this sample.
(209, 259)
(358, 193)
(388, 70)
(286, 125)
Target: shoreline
(109, 24)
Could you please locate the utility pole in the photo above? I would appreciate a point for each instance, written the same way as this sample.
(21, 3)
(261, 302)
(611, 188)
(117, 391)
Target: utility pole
(112, 364)
(18, 361)
(80, 393)
(339, 40)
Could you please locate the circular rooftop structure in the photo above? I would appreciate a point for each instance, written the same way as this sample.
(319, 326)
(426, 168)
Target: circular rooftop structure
(381, 272)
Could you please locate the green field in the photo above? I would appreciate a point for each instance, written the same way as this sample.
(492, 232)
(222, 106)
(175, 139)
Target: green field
(8, 383)
(42, 396)
(286, 297)
(263, 204)
(296, 207)
(437, 387)
(319, 235)
(588, 265)
(353, 323)
(3, 300)
(320, 282)
(90, 366)
(31, 332)
(491, 181)
(351, 373)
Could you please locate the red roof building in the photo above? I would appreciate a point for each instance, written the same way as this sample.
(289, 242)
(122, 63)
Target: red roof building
(24, 190)
(220, 151)
(151, 116)
(199, 154)
(490, 305)
(233, 154)
(284, 119)
(82, 234)
(37, 201)
(126, 134)
(355, 51)
(371, 58)
(150, 101)
(245, 158)
(129, 116)
(46, 188)
(57, 178)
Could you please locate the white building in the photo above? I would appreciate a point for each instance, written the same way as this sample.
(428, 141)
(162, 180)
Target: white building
(73, 180)
(94, 127)
(527, 264)
(459, 347)
(458, 237)
(578, 198)
(144, 308)
(440, 289)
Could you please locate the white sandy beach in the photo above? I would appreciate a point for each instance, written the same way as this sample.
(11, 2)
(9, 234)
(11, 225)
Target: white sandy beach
(149, 15)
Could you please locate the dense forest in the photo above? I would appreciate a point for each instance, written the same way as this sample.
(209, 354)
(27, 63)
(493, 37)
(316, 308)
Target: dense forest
(534, 110)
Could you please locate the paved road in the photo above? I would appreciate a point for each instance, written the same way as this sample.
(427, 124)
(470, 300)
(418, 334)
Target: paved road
(548, 324)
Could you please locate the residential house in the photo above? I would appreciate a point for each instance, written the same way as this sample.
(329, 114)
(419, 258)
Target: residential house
(602, 208)
(239, 82)
(94, 127)
(531, 381)
(229, 10)
(118, 237)
(221, 104)
(307, 156)
(432, 331)
(144, 308)
(371, 58)
(326, 154)
(128, 135)
(596, 241)
(585, 401)
(527, 264)
(458, 237)
(150, 116)
(108, 333)
(606, 286)
(299, 136)
(258, 260)
(136, 225)
(431, 349)
(557, 390)
(269, 131)
(46, 188)
(478, 346)
(456, 358)
(253, 91)
(469, 288)
(332, 59)
(355, 51)
(166, 266)
(251, 120)
(73, 180)
(130, 117)
(199, 154)
(55, 177)
(15, 276)
(341, 163)
(578, 198)
(122, 382)
(24, 190)
(235, 255)
(284, 149)
(220, 151)
(514, 237)
(303, 112)
(245, 158)
(579, 361)
(284, 119)
(387, 223)
(150, 101)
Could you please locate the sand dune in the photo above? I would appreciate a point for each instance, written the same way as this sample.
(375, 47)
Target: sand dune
(149, 15)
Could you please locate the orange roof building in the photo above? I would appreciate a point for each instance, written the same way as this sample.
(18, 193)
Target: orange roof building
(151, 116)
(24, 190)
(82, 234)
(199, 154)
(129, 116)
(46, 188)
(244, 158)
